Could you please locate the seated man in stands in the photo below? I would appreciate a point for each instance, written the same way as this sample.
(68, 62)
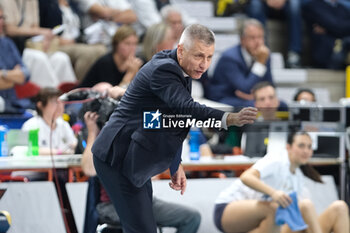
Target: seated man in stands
(255, 137)
(241, 67)
(184, 218)
(173, 16)
(12, 72)
(266, 101)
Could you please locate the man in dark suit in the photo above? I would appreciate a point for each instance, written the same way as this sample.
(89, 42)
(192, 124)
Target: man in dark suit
(241, 67)
(126, 155)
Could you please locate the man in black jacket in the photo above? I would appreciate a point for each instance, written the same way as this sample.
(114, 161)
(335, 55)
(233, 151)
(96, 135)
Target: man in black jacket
(127, 154)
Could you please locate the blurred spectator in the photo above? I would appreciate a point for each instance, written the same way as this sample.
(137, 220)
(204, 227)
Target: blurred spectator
(47, 66)
(158, 37)
(82, 56)
(266, 101)
(54, 132)
(241, 67)
(119, 66)
(100, 18)
(255, 137)
(162, 3)
(186, 19)
(147, 14)
(12, 72)
(290, 9)
(329, 25)
(172, 15)
(304, 94)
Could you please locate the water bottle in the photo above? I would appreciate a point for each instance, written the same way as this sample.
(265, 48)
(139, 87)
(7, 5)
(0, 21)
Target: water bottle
(194, 144)
(33, 141)
(3, 141)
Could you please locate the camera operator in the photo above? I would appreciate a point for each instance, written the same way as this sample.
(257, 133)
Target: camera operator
(185, 219)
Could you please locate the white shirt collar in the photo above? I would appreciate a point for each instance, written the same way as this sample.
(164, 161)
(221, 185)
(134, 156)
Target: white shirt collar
(185, 75)
(248, 59)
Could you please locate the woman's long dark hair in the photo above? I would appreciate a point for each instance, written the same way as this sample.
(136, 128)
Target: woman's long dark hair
(307, 169)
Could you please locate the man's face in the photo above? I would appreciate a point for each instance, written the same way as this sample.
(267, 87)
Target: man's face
(195, 60)
(252, 39)
(266, 102)
(175, 21)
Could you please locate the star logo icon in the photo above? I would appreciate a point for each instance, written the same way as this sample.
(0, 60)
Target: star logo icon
(156, 115)
(152, 120)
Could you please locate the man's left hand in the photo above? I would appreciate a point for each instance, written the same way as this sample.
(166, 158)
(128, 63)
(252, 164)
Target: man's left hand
(245, 116)
(178, 180)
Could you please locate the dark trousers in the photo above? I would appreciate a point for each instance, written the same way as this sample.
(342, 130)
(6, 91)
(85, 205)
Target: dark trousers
(133, 205)
(292, 10)
(335, 19)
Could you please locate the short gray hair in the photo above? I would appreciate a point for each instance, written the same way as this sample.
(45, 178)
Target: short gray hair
(196, 32)
(247, 23)
(166, 10)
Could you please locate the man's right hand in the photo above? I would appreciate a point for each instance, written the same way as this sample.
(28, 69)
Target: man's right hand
(245, 116)
(262, 54)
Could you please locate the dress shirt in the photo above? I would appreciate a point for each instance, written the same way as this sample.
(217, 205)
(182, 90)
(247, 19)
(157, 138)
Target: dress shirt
(258, 68)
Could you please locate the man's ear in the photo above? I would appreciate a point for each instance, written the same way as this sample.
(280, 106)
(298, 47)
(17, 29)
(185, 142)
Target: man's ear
(288, 147)
(180, 50)
(242, 42)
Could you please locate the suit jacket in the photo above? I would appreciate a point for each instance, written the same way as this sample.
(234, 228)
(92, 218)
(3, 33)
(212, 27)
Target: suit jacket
(141, 153)
(231, 74)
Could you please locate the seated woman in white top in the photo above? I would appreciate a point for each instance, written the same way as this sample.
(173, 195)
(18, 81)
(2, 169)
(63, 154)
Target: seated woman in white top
(50, 109)
(250, 203)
